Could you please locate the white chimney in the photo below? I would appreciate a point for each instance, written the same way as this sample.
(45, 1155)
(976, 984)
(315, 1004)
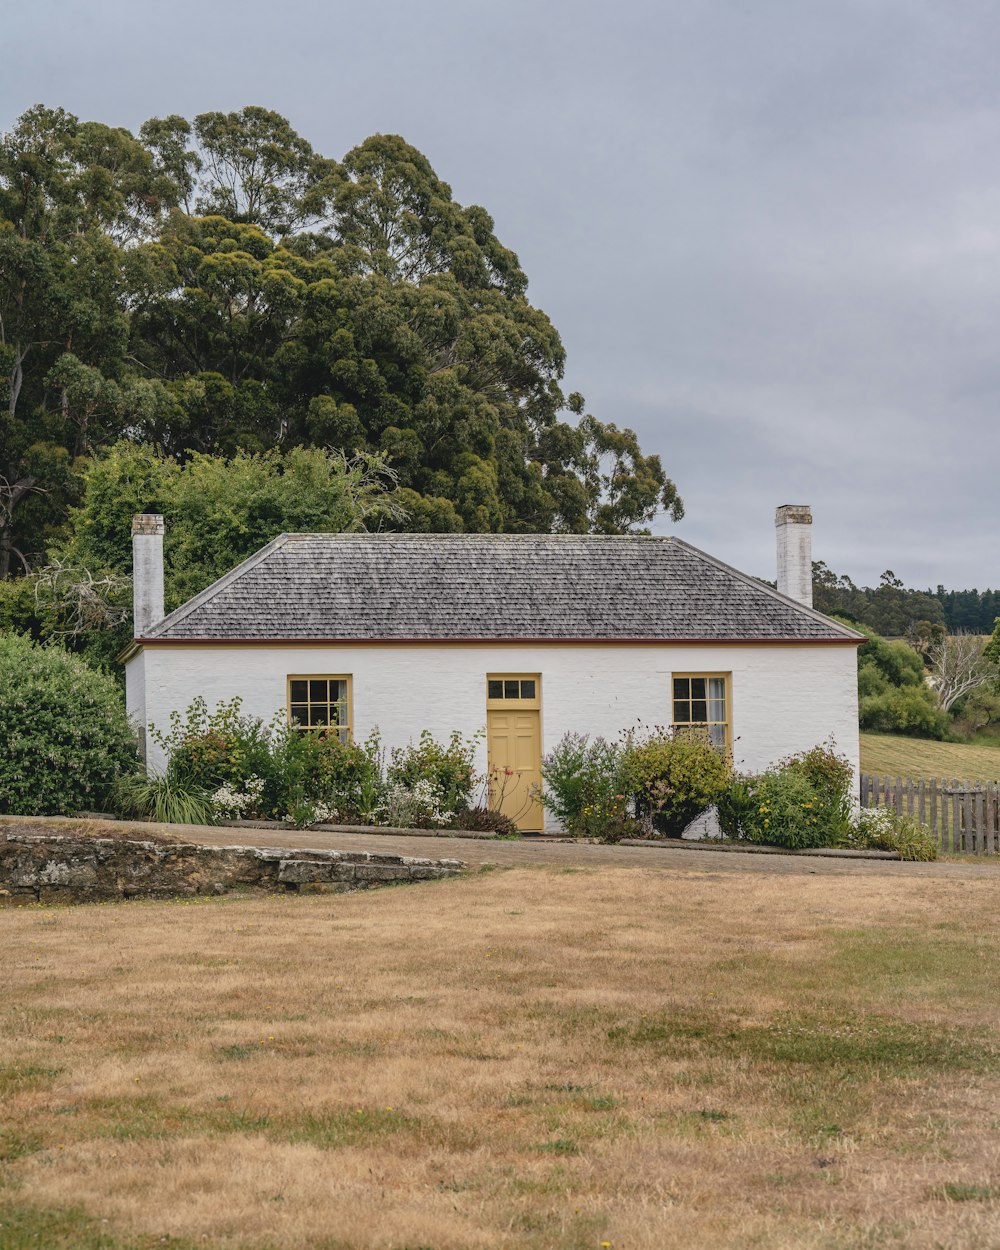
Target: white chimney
(793, 526)
(147, 572)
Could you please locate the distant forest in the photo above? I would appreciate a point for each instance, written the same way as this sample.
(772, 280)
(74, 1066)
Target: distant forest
(895, 611)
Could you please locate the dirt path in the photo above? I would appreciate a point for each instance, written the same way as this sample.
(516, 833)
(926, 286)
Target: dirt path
(564, 854)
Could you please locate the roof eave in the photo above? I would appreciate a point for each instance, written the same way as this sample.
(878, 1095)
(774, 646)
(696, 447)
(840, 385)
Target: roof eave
(492, 640)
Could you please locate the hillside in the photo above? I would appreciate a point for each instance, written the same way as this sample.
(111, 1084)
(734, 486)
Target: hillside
(895, 756)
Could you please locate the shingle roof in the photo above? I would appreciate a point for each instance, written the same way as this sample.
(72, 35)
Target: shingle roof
(489, 586)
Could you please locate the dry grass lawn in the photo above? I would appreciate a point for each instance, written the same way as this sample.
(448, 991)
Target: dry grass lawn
(545, 1059)
(896, 756)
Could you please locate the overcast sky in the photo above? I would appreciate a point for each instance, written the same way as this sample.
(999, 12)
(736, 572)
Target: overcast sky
(768, 231)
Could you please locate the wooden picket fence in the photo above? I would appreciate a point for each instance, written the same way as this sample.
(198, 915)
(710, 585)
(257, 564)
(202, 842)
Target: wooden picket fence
(964, 815)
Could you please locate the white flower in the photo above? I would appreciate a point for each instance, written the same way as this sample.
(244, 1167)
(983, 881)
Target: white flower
(235, 803)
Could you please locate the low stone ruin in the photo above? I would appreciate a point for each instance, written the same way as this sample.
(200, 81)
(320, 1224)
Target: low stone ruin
(66, 869)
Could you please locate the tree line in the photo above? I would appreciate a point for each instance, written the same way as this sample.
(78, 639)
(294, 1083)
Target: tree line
(895, 611)
(216, 286)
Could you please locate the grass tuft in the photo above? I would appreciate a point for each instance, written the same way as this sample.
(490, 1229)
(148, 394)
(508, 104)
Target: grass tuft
(959, 1192)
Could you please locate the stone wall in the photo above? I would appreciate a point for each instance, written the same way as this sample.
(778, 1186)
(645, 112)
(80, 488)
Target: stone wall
(53, 869)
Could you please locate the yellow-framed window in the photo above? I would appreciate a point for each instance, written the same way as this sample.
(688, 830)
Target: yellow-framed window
(321, 701)
(513, 690)
(703, 701)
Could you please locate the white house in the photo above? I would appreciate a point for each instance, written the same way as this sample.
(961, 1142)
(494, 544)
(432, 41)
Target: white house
(527, 636)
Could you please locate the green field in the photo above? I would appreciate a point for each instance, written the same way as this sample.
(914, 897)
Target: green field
(889, 754)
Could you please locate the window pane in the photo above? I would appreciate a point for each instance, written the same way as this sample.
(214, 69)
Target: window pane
(338, 713)
(511, 689)
(527, 689)
(299, 691)
(682, 711)
(318, 714)
(682, 688)
(698, 687)
(717, 733)
(318, 690)
(494, 690)
(699, 710)
(300, 712)
(716, 698)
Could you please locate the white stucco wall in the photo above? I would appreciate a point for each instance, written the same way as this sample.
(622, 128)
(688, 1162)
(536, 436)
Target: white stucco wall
(784, 698)
(135, 695)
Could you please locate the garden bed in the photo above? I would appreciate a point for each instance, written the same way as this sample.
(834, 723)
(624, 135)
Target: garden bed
(695, 844)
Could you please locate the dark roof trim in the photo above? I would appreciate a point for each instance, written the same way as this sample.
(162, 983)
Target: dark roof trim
(489, 641)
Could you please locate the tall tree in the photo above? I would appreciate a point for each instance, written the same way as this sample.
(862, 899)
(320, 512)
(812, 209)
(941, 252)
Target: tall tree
(73, 197)
(217, 285)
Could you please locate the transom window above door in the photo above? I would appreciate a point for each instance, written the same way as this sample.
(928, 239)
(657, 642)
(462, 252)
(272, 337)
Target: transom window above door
(320, 703)
(701, 701)
(513, 688)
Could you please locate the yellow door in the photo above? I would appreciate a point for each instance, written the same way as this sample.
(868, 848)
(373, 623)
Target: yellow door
(514, 743)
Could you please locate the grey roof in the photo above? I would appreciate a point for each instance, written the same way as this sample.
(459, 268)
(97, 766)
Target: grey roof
(490, 586)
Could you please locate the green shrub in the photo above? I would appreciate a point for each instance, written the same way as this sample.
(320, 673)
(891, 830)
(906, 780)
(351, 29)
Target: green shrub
(735, 805)
(344, 779)
(882, 829)
(787, 811)
(64, 734)
(897, 662)
(903, 710)
(673, 778)
(893, 696)
(584, 788)
(832, 777)
(803, 801)
(208, 749)
(447, 768)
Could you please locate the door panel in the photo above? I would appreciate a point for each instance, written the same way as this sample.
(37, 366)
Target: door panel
(515, 760)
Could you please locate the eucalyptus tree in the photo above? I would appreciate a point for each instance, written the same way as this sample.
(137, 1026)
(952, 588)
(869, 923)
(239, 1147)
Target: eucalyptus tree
(217, 285)
(75, 199)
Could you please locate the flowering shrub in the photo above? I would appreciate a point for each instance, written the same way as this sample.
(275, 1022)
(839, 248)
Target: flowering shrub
(786, 811)
(882, 829)
(832, 778)
(445, 769)
(344, 778)
(803, 801)
(220, 747)
(306, 812)
(415, 806)
(248, 768)
(229, 801)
